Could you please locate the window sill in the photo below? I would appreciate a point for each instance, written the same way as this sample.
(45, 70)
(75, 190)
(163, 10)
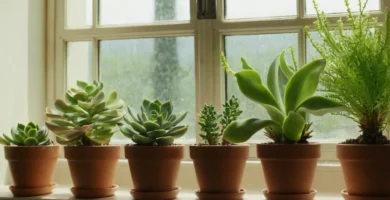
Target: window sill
(63, 193)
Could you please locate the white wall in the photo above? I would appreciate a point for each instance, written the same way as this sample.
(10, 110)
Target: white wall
(22, 68)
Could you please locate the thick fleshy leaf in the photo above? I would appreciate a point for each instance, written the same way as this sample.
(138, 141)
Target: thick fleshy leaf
(139, 139)
(84, 105)
(4, 141)
(31, 142)
(245, 64)
(149, 125)
(179, 117)
(293, 126)
(250, 84)
(167, 107)
(273, 82)
(156, 133)
(132, 114)
(127, 131)
(138, 127)
(241, 131)
(178, 131)
(61, 105)
(112, 97)
(166, 140)
(303, 84)
(274, 113)
(318, 105)
(81, 84)
(98, 98)
(288, 73)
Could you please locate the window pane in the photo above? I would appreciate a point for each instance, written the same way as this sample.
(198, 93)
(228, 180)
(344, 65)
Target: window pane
(78, 13)
(259, 51)
(122, 12)
(331, 128)
(238, 9)
(155, 68)
(78, 62)
(338, 6)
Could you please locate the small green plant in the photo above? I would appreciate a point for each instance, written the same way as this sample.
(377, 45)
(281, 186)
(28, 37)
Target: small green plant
(358, 69)
(85, 118)
(26, 135)
(288, 98)
(210, 121)
(155, 125)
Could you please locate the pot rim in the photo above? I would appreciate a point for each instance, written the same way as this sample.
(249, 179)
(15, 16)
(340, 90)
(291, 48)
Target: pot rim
(218, 146)
(153, 146)
(30, 147)
(299, 144)
(362, 145)
(103, 146)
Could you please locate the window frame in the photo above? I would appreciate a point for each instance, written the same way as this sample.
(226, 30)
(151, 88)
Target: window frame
(209, 42)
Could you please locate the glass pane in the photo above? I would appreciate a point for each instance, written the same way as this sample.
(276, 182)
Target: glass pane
(238, 9)
(122, 12)
(259, 51)
(155, 68)
(78, 62)
(338, 6)
(331, 128)
(78, 14)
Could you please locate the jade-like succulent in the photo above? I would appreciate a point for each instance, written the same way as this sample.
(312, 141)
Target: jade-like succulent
(86, 118)
(287, 97)
(155, 125)
(26, 135)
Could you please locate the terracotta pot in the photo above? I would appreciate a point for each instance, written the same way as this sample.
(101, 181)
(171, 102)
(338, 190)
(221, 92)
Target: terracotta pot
(366, 169)
(289, 168)
(154, 169)
(219, 169)
(32, 168)
(92, 169)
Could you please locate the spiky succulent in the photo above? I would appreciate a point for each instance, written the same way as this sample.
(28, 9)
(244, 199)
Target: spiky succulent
(26, 135)
(85, 118)
(155, 125)
(209, 127)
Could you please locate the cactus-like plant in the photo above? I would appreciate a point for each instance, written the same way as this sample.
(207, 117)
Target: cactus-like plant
(287, 99)
(155, 125)
(26, 135)
(209, 127)
(85, 118)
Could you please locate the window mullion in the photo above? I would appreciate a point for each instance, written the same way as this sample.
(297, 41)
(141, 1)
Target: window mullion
(301, 4)
(95, 13)
(95, 59)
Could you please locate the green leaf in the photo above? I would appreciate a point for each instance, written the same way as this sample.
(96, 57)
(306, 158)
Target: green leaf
(98, 98)
(4, 141)
(163, 141)
(32, 133)
(139, 139)
(89, 89)
(318, 105)
(81, 84)
(273, 82)
(138, 127)
(303, 84)
(112, 97)
(245, 64)
(81, 96)
(287, 71)
(70, 99)
(61, 105)
(250, 84)
(179, 117)
(167, 107)
(241, 131)
(177, 131)
(154, 107)
(146, 103)
(31, 142)
(274, 113)
(149, 125)
(127, 131)
(156, 133)
(84, 105)
(293, 126)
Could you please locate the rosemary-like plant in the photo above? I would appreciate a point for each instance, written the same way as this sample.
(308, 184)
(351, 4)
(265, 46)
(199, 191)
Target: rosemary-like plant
(358, 69)
(231, 112)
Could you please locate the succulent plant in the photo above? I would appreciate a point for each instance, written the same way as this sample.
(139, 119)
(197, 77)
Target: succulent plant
(209, 126)
(155, 125)
(287, 99)
(85, 118)
(26, 135)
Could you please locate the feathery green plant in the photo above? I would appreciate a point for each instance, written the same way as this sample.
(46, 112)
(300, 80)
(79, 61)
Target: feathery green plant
(288, 98)
(155, 125)
(26, 135)
(358, 69)
(85, 118)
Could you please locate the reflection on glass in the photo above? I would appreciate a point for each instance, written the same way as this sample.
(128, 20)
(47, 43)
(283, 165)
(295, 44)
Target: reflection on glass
(78, 63)
(338, 6)
(155, 68)
(239, 9)
(259, 51)
(78, 14)
(122, 12)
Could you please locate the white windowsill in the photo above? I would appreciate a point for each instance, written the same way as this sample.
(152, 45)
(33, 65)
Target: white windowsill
(63, 193)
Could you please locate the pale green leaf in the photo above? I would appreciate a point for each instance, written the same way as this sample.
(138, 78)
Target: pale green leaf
(293, 126)
(273, 82)
(241, 131)
(319, 106)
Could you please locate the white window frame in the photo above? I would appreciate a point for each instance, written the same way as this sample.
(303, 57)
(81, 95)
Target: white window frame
(209, 76)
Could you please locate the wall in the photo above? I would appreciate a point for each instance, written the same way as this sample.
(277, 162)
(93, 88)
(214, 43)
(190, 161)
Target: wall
(22, 68)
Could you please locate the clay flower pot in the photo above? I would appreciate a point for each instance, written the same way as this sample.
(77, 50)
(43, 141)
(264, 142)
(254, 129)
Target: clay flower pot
(92, 169)
(154, 170)
(219, 170)
(289, 169)
(32, 169)
(366, 171)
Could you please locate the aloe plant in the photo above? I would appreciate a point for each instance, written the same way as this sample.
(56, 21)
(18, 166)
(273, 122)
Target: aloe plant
(155, 124)
(85, 118)
(358, 68)
(287, 97)
(26, 135)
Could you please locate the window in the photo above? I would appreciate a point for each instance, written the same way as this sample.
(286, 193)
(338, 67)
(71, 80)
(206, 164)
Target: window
(159, 49)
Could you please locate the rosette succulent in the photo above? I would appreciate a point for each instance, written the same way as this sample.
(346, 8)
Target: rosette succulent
(26, 135)
(155, 124)
(85, 118)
